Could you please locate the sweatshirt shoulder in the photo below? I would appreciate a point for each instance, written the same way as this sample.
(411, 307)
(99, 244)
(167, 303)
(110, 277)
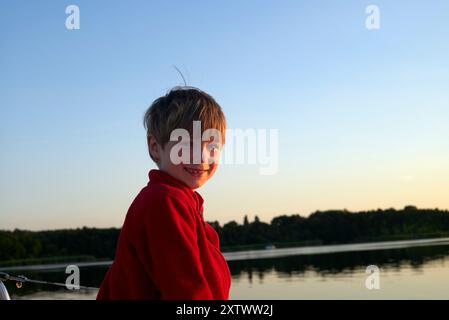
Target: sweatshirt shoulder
(153, 201)
(155, 194)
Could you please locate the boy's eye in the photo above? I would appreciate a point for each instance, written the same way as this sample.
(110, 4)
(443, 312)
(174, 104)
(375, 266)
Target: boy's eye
(184, 144)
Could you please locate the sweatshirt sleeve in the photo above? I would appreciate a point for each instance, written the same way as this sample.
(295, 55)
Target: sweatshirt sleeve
(170, 241)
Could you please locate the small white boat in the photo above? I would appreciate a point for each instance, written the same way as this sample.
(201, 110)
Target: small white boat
(4, 295)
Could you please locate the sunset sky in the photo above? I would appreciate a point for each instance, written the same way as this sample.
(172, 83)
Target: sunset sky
(362, 114)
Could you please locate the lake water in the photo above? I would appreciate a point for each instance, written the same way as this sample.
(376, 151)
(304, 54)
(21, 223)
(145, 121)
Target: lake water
(417, 269)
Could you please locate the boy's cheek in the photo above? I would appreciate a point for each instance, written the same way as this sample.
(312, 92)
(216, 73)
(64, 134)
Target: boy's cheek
(212, 172)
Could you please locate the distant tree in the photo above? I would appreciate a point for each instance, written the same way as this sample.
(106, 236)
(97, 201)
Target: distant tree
(334, 226)
(245, 221)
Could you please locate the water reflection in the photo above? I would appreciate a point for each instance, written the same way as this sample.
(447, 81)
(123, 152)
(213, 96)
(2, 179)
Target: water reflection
(278, 278)
(343, 263)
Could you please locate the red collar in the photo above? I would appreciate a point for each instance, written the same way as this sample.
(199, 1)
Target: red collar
(161, 177)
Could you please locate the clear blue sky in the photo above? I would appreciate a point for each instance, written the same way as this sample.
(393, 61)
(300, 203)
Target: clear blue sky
(362, 115)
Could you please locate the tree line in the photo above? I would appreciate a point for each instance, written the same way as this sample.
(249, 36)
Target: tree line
(326, 227)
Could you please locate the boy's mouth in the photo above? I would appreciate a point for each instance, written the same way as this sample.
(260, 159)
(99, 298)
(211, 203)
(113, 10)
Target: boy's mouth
(195, 172)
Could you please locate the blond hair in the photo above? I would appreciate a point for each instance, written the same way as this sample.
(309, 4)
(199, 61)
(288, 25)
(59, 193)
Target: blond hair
(178, 109)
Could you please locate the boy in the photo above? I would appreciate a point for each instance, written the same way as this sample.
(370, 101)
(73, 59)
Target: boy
(166, 250)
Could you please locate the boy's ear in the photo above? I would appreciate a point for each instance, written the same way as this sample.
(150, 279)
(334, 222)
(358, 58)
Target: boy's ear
(153, 148)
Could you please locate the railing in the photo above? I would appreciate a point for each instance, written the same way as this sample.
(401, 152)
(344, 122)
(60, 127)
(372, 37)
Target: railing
(19, 280)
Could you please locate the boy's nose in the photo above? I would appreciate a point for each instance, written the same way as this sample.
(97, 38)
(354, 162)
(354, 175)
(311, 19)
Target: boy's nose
(198, 155)
(208, 156)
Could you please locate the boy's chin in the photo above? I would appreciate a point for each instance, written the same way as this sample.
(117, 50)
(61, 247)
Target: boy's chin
(194, 184)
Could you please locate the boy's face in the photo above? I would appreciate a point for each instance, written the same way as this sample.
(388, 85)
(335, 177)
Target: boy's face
(193, 175)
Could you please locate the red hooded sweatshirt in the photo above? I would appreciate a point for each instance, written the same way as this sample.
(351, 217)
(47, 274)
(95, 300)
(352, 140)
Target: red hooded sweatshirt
(166, 250)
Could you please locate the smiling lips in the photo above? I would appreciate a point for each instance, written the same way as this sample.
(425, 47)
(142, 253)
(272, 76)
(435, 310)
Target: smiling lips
(195, 172)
